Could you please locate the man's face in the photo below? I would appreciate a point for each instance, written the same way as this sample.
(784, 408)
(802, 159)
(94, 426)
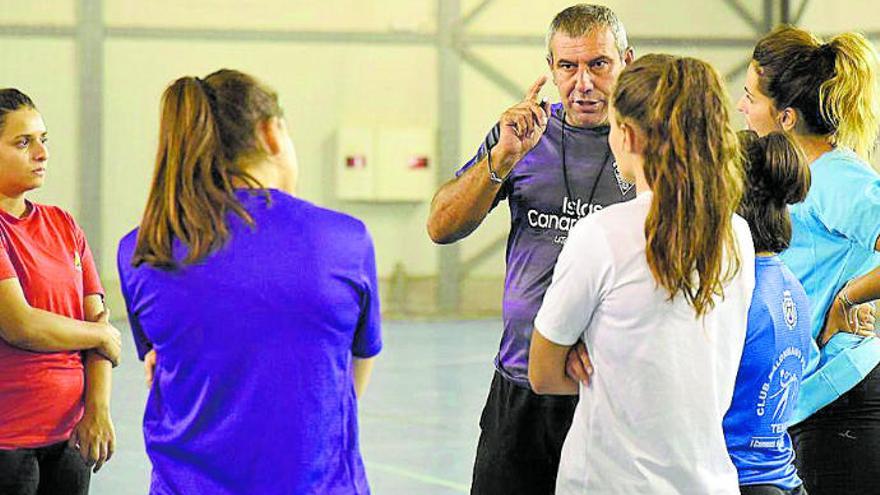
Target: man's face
(758, 109)
(584, 70)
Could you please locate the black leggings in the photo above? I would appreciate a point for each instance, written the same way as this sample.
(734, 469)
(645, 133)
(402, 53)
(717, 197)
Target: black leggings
(837, 450)
(52, 470)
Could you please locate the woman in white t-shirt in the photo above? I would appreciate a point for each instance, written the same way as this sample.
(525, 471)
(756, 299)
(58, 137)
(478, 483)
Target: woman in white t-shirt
(659, 290)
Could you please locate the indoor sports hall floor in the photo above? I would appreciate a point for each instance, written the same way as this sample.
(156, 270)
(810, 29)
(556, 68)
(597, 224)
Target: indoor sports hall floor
(419, 419)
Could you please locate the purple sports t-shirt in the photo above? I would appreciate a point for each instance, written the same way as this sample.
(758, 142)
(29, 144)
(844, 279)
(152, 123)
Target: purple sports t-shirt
(253, 389)
(542, 211)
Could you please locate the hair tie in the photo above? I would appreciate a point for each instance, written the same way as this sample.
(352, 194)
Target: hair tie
(206, 88)
(827, 51)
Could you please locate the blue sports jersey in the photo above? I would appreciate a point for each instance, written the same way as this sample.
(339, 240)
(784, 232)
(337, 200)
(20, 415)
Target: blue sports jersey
(774, 359)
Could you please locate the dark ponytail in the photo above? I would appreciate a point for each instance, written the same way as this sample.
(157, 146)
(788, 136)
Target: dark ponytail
(776, 176)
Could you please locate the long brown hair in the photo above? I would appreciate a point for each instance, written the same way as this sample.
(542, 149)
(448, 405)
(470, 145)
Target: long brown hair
(208, 127)
(693, 166)
(834, 86)
(776, 176)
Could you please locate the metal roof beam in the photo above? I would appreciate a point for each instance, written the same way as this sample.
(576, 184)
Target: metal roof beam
(505, 83)
(745, 15)
(190, 34)
(636, 41)
(38, 31)
(468, 19)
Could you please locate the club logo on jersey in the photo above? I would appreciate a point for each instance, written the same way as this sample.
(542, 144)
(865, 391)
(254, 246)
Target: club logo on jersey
(621, 182)
(776, 399)
(789, 383)
(789, 310)
(77, 262)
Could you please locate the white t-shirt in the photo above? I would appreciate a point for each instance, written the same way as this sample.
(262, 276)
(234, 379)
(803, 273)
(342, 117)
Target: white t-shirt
(650, 421)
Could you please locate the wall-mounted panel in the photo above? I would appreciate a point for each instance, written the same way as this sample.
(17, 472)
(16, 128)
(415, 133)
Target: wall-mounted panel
(385, 164)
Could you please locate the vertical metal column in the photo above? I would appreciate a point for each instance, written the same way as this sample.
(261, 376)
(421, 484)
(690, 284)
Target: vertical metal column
(768, 15)
(90, 67)
(785, 11)
(449, 121)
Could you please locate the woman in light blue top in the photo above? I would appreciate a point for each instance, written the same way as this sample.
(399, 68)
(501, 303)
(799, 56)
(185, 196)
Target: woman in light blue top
(827, 97)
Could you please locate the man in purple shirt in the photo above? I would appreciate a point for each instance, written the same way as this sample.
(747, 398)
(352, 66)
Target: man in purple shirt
(553, 165)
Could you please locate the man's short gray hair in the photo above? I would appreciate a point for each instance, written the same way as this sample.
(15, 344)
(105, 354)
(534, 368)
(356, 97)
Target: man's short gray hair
(581, 19)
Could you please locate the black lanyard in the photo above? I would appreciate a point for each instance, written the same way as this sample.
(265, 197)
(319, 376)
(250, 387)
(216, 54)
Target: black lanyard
(565, 170)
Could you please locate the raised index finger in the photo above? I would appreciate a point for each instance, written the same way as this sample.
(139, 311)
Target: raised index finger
(532, 93)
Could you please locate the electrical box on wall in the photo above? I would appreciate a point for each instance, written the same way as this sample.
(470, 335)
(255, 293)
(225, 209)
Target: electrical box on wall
(355, 164)
(385, 164)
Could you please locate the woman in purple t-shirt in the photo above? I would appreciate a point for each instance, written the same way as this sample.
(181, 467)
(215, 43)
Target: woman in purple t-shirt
(259, 311)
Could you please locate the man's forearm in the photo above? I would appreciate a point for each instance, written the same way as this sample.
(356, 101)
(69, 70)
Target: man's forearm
(460, 205)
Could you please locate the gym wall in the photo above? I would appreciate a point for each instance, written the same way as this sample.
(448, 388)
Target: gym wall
(328, 83)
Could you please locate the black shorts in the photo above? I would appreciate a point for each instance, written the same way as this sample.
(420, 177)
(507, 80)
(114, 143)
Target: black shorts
(520, 441)
(837, 450)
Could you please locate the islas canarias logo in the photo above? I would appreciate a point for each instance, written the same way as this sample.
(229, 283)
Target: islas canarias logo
(563, 220)
(77, 262)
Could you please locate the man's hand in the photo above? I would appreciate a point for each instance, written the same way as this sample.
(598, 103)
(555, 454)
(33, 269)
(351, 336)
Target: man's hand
(149, 367)
(578, 366)
(522, 126)
(94, 437)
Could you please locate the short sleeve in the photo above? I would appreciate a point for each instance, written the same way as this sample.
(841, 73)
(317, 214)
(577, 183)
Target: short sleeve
(488, 143)
(7, 269)
(141, 343)
(581, 278)
(846, 200)
(368, 334)
(123, 265)
(91, 280)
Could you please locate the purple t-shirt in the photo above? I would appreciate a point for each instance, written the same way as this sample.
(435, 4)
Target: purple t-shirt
(253, 390)
(542, 211)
